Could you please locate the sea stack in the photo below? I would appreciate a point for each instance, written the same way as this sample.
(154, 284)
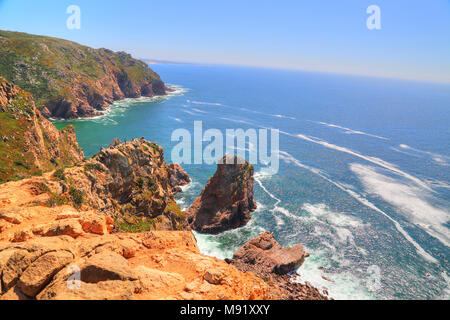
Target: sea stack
(227, 200)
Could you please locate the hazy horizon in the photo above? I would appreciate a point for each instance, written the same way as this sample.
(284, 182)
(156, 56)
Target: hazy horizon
(412, 42)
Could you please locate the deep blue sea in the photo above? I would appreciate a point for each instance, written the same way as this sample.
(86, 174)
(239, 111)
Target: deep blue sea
(364, 179)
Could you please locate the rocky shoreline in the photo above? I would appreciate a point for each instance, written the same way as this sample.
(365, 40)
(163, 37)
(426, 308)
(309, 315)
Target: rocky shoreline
(108, 227)
(69, 80)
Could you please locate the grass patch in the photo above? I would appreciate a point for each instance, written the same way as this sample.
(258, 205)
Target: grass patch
(77, 197)
(144, 225)
(59, 175)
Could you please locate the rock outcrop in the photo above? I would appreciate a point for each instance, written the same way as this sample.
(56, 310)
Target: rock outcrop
(69, 80)
(178, 177)
(153, 265)
(29, 143)
(265, 257)
(128, 183)
(227, 200)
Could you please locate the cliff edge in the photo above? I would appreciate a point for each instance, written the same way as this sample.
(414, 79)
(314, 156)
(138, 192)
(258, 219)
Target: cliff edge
(29, 143)
(69, 80)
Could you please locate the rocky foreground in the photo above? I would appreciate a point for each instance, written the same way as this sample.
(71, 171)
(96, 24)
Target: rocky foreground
(108, 227)
(152, 265)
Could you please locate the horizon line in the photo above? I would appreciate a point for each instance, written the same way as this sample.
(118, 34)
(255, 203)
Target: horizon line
(369, 75)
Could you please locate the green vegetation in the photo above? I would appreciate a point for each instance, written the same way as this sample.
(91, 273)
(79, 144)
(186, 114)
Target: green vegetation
(152, 185)
(154, 147)
(59, 174)
(56, 200)
(48, 67)
(77, 197)
(146, 224)
(140, 183)
(17, 130)
(174, 208)
(89, 167)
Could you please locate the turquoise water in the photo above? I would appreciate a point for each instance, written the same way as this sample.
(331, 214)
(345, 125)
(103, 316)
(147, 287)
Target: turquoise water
(364, 179)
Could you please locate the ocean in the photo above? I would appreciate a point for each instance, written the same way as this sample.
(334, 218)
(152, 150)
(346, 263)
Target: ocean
(364, 175)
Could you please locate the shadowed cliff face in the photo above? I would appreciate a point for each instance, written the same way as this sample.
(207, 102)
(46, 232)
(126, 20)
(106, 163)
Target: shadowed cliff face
(69, 80)
(227, 200)
(30, 144)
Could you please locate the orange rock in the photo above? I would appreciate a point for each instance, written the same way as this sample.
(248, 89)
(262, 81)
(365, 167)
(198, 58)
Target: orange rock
(93, 224)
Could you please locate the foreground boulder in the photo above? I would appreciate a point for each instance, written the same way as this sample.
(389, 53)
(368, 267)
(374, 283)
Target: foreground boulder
(265, 257)
(227, 200)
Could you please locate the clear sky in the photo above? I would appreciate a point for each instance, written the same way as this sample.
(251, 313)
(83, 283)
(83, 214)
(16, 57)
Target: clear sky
(324, 35)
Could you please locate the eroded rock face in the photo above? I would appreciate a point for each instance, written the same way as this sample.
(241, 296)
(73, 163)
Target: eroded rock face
(126, 185)
(178, 177)
(265, 257)
(227, 200)
(33, 144)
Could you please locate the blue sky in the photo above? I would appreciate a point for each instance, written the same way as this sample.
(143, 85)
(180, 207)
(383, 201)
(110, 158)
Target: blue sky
(323, 35)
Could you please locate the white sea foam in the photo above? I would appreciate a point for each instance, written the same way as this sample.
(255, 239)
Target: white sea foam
(176, 119)
(189, 112)
(119, 106)
(290, 159)
(177, 90)
(237, 121)
(411, 201)
(350, 131)
(213, 245)
(340, 286)
(259, 176)
(198, 110)
(371, 159)
(445, 294)
(205, 103)
(340, 220)
(438, 158)
(283, 116)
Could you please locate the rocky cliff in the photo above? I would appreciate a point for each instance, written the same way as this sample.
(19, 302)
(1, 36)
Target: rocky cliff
(153, 265)
(227, 200)
(127, 182)
(69, 80)
(108, 227)
(30, 144)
